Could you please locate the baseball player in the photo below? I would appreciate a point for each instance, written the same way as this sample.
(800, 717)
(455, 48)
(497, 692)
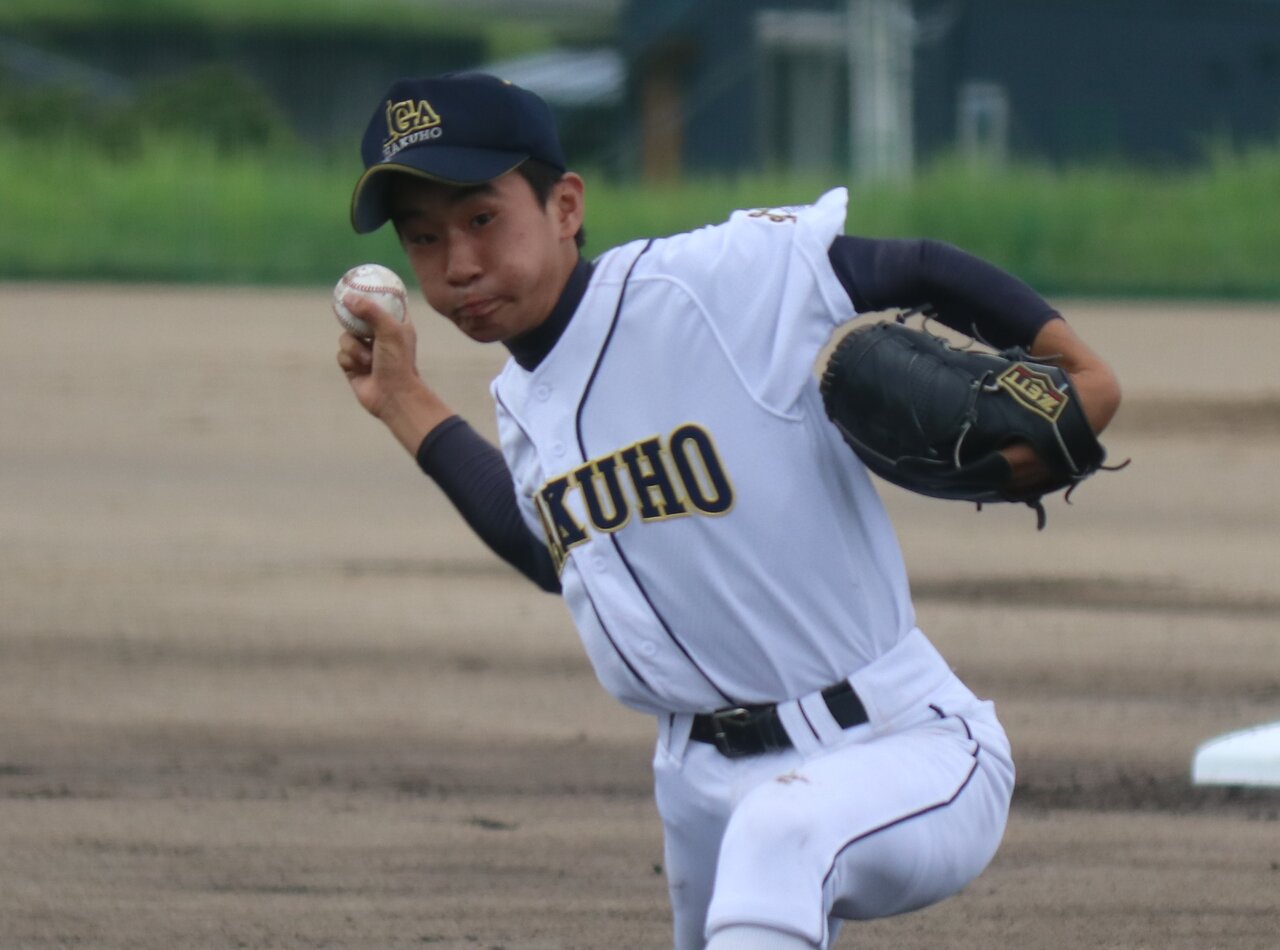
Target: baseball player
(667, 468)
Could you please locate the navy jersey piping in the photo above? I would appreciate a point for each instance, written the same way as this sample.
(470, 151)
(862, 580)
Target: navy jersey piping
(977, 748)
(808, 723)
(622, 656)
(586, 393)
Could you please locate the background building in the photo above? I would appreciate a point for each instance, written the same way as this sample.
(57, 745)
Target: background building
(664, 87)
(732, 85)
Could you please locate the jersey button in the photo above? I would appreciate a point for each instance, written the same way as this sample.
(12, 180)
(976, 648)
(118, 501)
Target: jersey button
(647, 648)
(599, 564)
(557, 448)
(543, 392)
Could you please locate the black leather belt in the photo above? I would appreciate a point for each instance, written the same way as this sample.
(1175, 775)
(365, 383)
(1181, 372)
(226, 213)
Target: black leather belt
(740, 731)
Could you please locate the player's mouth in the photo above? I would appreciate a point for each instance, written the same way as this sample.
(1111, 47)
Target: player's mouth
(475, 311)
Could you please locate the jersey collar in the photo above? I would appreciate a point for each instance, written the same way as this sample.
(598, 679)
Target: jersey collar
(531, 348)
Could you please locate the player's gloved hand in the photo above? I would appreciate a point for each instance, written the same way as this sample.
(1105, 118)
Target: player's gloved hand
(965, 423)
(1030, 474)
(1096, 389)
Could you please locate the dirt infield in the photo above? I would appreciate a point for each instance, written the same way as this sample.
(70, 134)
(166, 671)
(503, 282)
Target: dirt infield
(260, 688)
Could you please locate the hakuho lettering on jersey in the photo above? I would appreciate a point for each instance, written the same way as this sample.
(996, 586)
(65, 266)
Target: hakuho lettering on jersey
(681, 477)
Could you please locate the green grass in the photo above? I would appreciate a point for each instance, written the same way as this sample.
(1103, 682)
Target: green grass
(1107, 230)
(405, 14)
(506, 34)
(177, 212)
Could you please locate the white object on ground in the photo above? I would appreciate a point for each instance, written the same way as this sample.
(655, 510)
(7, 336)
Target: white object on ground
(1247, 757)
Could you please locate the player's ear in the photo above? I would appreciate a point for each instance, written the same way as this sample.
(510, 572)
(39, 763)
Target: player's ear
(567, 204)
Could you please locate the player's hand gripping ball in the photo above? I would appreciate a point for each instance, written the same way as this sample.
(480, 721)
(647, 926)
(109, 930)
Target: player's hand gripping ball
(373, 282)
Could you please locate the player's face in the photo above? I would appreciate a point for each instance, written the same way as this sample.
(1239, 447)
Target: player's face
(490, 258)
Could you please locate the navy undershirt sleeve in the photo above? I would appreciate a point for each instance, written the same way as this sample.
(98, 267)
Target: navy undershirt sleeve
(964, 292)
(474, 476)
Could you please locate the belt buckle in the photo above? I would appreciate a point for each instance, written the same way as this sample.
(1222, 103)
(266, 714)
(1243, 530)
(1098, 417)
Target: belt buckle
(730, 722)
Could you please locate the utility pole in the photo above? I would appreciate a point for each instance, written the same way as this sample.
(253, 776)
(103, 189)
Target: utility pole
(881, 38)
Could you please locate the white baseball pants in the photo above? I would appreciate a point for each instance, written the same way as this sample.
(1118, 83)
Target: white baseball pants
(876, 820)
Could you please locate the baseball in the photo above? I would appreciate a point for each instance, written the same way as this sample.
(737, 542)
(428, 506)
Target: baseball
(373, 282)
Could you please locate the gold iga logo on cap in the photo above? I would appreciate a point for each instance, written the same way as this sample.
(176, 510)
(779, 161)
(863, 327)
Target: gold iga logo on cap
(409, 122)
(1033, 389)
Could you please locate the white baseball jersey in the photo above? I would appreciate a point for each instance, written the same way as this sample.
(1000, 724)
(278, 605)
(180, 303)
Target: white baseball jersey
(719, 544)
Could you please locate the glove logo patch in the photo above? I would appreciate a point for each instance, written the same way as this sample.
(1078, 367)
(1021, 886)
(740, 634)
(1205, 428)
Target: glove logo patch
(1034, 390)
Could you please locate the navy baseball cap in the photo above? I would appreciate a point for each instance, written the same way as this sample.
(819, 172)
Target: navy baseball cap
(459, 128)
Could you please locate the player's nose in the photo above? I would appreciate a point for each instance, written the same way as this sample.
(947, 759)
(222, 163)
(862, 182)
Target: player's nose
(463, 263)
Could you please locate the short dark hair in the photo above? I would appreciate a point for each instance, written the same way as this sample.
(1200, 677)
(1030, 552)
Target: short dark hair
(542, 178)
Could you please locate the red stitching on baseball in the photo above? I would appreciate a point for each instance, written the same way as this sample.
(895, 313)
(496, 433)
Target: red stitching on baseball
(375, 288)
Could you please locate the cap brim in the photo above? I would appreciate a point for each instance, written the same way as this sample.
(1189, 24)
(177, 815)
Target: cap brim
(448, 165)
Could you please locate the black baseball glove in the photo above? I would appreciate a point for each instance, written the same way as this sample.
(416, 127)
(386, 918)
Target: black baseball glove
(932, 418)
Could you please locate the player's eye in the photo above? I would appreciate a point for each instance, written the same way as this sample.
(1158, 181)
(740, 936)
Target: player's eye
(483, 218)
